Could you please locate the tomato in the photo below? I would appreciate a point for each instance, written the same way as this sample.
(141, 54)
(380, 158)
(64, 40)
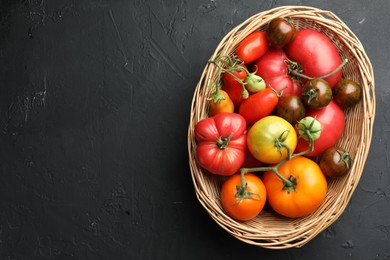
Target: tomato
(347, 93)
(258, 105)
(252, 47)
(335, 162)
(316, 93)
(332, 122)
(291, 108)
(272, 67)
(307, 192)
(233, 87)
(316, 54)
(220, 102)
(280, 32)
(267, 139)
(221, 144)
(243, 202)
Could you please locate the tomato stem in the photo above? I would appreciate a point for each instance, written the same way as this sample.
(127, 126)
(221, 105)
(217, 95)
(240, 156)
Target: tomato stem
(230, 65)
(243, 193)
(294, 69)
(223, 142)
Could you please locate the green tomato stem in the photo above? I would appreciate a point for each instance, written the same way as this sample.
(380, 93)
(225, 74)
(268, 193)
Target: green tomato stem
(294, 72)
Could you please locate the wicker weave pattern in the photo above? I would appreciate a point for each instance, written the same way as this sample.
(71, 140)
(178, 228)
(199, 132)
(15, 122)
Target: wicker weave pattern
(270, 230)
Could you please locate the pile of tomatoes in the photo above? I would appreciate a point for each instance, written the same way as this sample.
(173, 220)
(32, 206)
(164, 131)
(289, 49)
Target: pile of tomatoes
(276, 113)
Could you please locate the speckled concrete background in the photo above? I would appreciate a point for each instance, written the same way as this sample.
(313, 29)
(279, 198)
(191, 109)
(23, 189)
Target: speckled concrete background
(94, 108)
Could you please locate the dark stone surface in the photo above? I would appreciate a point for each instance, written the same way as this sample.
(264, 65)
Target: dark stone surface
(94, 108)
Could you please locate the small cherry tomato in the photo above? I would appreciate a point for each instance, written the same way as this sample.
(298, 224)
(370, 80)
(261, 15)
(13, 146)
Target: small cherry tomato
(252, 47)
(220, 102)
(347, 93)
(280, 32)
(316, 93)
(335, 162)
(291, 108)
(243, 201)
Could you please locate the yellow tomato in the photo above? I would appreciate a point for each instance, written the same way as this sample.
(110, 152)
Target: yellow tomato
(270, 138)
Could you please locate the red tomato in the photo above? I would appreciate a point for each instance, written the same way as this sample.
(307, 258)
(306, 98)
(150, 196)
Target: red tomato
(258, 105)
(316, 54)
(243, 202)
(332, 122)
(308, 190)
(252, 47)
(232, 87)
(221, 145)
(272, 67)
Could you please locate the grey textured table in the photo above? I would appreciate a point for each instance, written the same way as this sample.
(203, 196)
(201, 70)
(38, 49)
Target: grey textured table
(94, 108)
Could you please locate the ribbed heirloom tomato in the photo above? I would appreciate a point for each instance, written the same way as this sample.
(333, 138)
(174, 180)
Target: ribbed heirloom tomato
(221, 147)
(270, 138)
(305, 194)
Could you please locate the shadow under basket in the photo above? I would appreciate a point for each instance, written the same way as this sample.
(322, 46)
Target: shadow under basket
(268, 229)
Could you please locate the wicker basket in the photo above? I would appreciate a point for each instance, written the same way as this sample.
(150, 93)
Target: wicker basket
(268, 229)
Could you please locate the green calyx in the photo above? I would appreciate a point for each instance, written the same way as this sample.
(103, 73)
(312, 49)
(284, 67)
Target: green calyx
(309, 128)
(243, 193)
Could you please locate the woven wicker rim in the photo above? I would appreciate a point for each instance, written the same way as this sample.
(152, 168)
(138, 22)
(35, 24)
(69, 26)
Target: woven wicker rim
(270, 230)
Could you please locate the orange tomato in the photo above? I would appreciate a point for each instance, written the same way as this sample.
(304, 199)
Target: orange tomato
(308, 190)
(243, 203)
(220, 102)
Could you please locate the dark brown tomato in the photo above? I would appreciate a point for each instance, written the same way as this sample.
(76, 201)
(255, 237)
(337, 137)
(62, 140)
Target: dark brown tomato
(316, 93)
(291, 108)
(335, 162)
(280, 32)
(347, 93)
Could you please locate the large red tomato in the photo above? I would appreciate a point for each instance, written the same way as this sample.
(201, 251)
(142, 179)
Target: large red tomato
(306, 193)
(316, 54)
(221, 145)
(332, 122)
(273, 68)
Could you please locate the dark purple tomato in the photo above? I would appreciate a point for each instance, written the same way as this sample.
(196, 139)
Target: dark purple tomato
(291, 108)
(316, 93)
(335, 162)
(347, 93)
(280, 32)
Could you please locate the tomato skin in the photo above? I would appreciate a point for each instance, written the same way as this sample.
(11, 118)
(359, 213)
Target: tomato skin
(316, 53)
(280, 32)
(252, 47)
(262, 135)
(334, 162)
(210, 132)
(316, 93)
(247, 208)
(232, 87)
(332, 122)
(224, 105)
(291, 108)
(309, 193)
(272, 67)
(347, 93)
(258, 105)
